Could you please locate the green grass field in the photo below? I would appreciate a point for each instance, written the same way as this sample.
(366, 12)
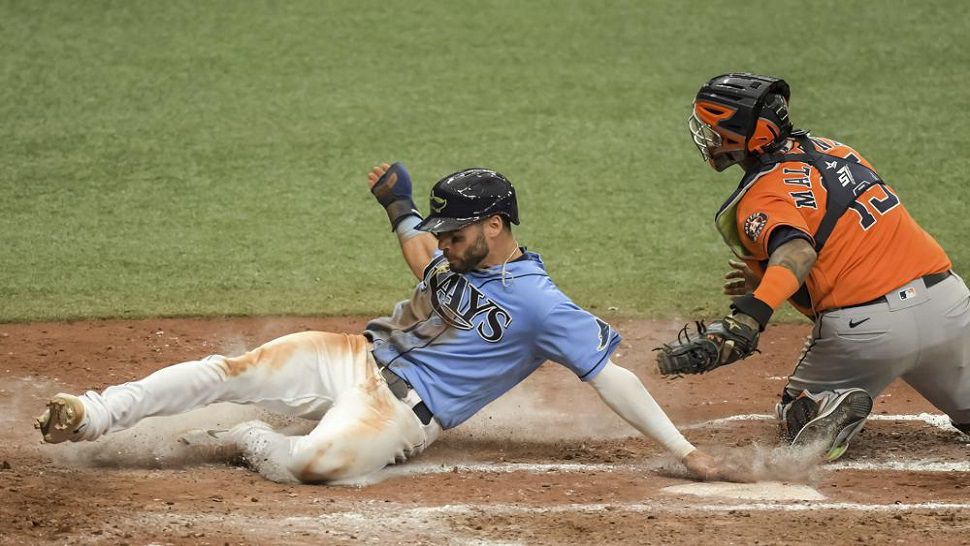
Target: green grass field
(209, 158)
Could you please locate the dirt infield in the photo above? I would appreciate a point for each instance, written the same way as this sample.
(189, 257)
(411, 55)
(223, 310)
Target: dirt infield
(547, 464)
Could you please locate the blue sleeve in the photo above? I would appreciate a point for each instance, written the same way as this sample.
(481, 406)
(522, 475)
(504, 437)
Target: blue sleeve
(576, 339)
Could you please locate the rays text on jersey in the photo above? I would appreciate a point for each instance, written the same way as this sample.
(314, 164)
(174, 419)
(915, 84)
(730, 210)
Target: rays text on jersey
(461, 305)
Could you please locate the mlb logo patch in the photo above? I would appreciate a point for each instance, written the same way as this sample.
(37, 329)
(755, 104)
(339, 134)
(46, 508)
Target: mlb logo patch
(908, 293)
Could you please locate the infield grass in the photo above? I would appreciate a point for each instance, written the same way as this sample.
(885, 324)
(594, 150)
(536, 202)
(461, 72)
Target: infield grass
(209, 158)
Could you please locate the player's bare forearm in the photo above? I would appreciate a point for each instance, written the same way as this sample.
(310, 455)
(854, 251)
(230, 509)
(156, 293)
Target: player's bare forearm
(418, 251)
(797, 255)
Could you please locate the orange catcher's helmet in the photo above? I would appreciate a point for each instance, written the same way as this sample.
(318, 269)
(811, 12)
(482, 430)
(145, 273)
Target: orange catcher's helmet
(739, 114)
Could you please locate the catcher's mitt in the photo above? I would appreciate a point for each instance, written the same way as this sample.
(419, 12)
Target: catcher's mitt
(721, 342)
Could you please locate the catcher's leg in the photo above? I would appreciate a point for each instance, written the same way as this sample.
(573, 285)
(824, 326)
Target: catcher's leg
(284, 375)
(367, 429)
(942, 374)
(851, 356)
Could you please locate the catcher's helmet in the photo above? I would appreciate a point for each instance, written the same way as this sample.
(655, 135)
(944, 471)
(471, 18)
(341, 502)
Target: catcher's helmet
(468, 196)
(739, 114)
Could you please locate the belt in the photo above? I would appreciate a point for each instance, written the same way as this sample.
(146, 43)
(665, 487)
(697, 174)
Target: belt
(399, 388)
(929, 280)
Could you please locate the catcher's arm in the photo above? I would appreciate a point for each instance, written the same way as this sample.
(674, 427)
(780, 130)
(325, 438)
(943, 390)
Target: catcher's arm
(625, 394)
(735, 337)
(391, 186)
(788, 267)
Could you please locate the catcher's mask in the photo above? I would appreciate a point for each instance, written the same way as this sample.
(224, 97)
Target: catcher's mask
(739, 114)
(468, 196)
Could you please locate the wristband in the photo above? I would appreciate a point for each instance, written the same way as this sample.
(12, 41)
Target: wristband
(393, 192)
(399, 210)
(749, 305)
(406, 227)
(777, 285)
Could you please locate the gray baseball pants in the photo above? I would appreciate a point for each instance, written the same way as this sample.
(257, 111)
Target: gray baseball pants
(919, 334)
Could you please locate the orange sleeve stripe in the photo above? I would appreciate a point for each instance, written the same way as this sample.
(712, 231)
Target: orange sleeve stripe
(778, 284)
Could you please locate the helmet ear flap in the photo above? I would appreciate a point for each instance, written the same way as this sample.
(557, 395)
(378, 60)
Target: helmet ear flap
(772, 125)
(764, 135)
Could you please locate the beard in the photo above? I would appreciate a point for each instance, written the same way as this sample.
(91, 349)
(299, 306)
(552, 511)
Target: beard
(472, 257)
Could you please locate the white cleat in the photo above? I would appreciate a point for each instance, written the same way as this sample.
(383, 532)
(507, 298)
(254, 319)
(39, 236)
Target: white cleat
(63, 419)
(201, 437)
(210, 443)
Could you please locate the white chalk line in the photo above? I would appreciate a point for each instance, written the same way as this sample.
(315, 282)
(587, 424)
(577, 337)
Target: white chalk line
(932, 419)
(586, 468)
(504, 509)
(364, 522)
(374, 520)
(903, 466)
(382, 518)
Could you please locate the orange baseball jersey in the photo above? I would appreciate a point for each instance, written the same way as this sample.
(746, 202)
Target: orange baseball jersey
(867, 244)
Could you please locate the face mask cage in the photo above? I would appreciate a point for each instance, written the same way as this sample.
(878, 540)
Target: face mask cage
(705, 138)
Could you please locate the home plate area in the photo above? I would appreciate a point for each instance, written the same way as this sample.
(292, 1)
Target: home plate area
(546, 464)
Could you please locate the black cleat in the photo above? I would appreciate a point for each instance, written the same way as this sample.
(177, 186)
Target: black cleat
(836, 423)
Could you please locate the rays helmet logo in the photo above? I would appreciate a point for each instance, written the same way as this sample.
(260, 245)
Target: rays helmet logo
(438, 204)
(754, 225)
(464, 306)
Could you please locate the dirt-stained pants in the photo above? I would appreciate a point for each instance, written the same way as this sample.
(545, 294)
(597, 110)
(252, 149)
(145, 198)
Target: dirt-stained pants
(317, 375)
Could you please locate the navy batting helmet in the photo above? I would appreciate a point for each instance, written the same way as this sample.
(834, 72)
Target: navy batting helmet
(468, 196)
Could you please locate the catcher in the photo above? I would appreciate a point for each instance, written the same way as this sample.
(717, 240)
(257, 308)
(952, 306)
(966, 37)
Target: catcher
(814, 224)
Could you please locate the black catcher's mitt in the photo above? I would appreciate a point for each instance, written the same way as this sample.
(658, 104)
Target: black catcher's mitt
(716, 344)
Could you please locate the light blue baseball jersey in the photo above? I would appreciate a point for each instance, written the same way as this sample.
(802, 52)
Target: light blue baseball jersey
(463, 340)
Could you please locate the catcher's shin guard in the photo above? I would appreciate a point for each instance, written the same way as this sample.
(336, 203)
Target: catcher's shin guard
(838, 417)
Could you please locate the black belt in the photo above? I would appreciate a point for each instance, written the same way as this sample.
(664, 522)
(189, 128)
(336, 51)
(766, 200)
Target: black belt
(400, 387)
(929, 280)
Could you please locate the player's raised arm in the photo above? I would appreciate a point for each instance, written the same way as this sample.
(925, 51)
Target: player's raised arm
(391, 185)
(625, 394)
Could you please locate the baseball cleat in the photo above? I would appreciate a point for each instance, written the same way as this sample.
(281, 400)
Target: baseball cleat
(200, 437)
(837, 422)
(62, 420)
(965, 428)
(210, 443)
(799, 413)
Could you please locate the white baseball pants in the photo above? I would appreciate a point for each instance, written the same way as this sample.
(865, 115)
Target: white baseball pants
(317, 375)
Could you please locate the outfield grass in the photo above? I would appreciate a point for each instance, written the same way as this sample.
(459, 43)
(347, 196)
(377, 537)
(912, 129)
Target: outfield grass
(209, 158)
